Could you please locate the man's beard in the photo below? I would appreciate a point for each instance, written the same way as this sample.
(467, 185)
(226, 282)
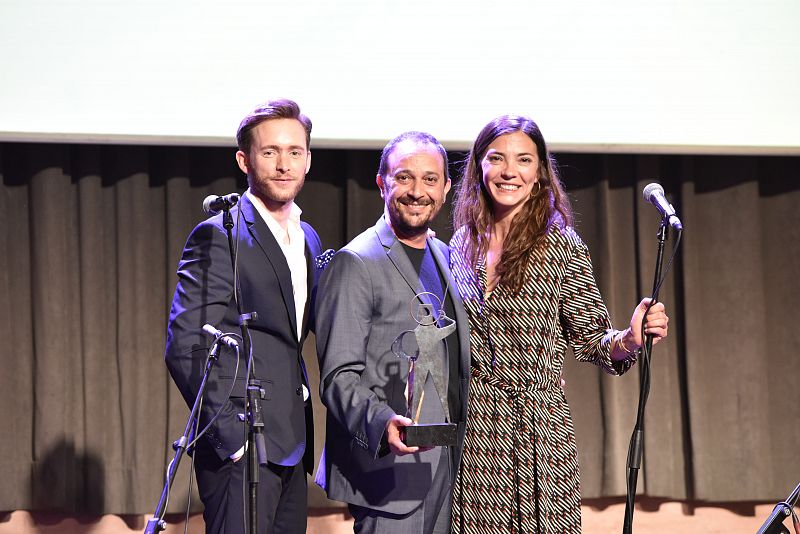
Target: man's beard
(270, 190)
(408, 225)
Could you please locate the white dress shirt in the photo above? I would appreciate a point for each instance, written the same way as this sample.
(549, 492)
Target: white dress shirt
(292, 241)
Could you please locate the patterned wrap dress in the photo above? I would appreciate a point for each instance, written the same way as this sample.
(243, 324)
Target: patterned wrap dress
(519, 467)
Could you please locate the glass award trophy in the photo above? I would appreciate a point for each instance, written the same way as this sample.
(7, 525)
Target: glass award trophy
(426, 361)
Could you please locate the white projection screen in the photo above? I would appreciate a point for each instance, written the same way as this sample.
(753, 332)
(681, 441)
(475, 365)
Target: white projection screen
(682, 76)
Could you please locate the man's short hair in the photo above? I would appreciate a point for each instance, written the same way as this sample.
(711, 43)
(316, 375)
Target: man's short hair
(421, 138)
(282, 108)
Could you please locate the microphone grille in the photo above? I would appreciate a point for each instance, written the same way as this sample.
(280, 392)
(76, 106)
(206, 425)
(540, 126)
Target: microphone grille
(649, 189)
(207, 204)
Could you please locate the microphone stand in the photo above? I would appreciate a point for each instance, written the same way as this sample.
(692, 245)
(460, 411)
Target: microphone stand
(253, 417)
(782, 510)
(157, 524)
(636, 446)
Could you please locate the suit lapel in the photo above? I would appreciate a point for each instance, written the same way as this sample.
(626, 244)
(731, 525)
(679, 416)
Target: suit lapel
(442, 258)
(443, 263)
(311, 271)
(274, 256)
(396, 254)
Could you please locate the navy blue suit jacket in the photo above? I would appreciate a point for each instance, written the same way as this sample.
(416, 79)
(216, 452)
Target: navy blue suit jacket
(204, 295)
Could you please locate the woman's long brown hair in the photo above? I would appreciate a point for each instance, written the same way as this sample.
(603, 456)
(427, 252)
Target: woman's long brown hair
(473, 207)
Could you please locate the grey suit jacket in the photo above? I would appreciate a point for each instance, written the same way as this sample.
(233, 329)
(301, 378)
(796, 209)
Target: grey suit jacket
(363, 302)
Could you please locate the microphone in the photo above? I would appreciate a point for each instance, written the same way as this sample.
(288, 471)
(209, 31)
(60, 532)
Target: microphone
(654, 194)
(220, 336)
(214, 204)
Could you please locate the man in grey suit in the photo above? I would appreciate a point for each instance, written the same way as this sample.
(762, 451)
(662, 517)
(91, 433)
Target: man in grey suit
(367, 297)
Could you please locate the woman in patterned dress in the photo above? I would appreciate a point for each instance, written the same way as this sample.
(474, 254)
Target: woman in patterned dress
(526, 280)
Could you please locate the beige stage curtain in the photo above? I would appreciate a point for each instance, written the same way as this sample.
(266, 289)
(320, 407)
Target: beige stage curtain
(90, 240)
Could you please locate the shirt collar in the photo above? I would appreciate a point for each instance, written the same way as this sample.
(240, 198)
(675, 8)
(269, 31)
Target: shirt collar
(294, 213)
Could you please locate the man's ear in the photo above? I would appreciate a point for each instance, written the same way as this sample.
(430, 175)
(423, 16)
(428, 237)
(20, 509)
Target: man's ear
(308, 161)
(379, 181)
(241, 160)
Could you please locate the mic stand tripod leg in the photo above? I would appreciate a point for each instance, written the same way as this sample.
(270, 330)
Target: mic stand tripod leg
(774, 523)
(157, 524)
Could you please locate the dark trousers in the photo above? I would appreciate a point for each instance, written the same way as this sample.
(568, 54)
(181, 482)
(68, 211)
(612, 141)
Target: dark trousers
(282, 495)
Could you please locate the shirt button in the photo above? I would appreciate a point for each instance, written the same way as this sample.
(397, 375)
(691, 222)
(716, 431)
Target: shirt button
(299, 390)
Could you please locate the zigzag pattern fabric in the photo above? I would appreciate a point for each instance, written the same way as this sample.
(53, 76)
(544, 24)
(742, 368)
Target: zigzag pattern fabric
(519, 471)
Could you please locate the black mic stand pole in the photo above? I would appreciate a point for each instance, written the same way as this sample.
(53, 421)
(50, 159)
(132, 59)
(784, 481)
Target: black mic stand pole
(636, 446)
(157, 524)
(253, 417)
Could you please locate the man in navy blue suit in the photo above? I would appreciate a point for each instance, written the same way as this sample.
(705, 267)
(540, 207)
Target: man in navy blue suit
(277, 277)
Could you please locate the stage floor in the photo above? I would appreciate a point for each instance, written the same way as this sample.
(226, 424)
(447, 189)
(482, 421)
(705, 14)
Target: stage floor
(652, 516)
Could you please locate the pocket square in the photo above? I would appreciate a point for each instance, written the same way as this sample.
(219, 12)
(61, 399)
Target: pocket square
(324, 259)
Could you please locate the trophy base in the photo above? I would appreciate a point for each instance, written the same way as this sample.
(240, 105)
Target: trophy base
(431, 434)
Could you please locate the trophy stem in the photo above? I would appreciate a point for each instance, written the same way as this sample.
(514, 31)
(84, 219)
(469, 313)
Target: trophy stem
(410, 389)
(419, 407)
